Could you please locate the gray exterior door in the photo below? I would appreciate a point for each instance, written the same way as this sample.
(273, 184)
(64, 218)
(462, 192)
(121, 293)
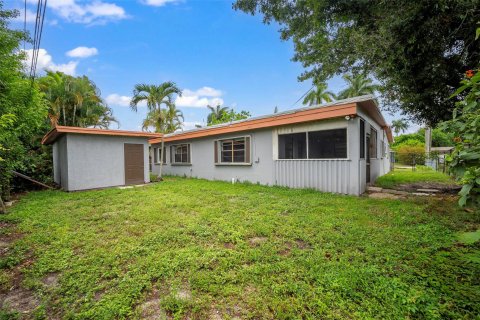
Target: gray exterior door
(134, 169)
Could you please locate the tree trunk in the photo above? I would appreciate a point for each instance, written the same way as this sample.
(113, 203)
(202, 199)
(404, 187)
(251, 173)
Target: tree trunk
(74, 111)
(161, 161)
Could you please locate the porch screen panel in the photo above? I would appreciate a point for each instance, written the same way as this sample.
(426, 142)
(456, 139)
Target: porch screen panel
(327, 144)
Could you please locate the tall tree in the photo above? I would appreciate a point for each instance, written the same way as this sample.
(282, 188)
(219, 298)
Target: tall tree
(75, 101)
(357, 85)
(318, 95)
(215, 113)
(417, 50)
(399, 125)
(155, 97)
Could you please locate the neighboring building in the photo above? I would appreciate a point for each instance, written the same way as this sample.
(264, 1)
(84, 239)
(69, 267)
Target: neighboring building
(88, 158)
(336, 147)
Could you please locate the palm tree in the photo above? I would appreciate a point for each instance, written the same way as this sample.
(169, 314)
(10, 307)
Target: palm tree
(75, 101)
(215, 113)
(358, 85)
(399, 125)
(173, 119)
(155, 96)
(318, 95)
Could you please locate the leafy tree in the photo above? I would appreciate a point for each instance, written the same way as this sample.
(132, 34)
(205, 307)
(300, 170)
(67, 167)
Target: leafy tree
(23, 111)
(215, 113)
(357, 85)
(318, 95)
(75, 101)
(417, 50)
(464, 162)
(155, 97)
(229, 116)
(399, 125)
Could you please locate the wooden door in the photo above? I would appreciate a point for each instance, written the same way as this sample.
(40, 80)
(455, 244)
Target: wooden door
(134, 164)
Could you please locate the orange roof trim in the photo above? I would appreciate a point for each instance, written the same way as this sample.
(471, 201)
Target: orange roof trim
(58, 131)
(337, 109)
(267, 122)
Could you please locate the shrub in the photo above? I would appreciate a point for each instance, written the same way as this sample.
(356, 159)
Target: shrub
(410, 155)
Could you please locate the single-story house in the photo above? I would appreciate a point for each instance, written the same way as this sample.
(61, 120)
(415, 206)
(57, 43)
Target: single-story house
(90, 158)
(335, 147)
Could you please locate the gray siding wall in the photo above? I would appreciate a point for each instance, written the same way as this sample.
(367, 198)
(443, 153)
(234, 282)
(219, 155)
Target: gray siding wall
(97, 161)
(328, 175)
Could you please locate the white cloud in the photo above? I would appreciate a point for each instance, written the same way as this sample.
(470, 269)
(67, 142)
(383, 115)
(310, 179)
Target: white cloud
(92, 12)
(118, 100)
(45, 62)
(159, 3)
(82, 52)
(199, 98)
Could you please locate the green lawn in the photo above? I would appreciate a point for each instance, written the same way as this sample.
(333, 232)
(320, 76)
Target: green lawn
(195, 249)
(406, 176)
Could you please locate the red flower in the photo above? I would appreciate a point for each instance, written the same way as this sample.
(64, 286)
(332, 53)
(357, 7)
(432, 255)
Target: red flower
(457, 139)
(469, 73)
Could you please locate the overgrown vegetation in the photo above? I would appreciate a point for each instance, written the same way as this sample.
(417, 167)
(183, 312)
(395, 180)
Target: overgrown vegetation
(23, 111)
(464, 162)
(199, 249)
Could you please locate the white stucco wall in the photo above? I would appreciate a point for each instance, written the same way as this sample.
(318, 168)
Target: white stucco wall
(203, 162)
(94, 161)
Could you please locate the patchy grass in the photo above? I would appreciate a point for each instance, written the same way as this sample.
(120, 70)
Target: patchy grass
(406, 176)
(187, 248)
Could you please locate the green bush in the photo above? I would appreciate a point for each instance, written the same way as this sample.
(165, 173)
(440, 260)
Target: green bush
(410, 155)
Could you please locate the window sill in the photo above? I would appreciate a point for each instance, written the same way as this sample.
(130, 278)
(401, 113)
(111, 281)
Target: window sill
(181, 164)
(233, 164)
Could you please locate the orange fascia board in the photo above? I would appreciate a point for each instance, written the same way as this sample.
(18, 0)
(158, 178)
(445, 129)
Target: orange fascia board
(268, 122)
(56, 132)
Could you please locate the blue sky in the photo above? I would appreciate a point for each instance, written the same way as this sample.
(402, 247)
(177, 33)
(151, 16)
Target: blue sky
(214, 53)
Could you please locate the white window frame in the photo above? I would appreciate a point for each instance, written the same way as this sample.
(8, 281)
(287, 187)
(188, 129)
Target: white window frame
(189, 154)
(219, 151)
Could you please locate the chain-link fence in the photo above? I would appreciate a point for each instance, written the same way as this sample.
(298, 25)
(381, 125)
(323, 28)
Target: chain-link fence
(418, 161)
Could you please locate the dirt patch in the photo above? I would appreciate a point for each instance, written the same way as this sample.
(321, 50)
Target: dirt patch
(19, 300)
(151, 309)
(286, 251)
(184, 293)
(229, 245)
(256, 241)
(381, 195)
(51, 280)
(302, 244)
